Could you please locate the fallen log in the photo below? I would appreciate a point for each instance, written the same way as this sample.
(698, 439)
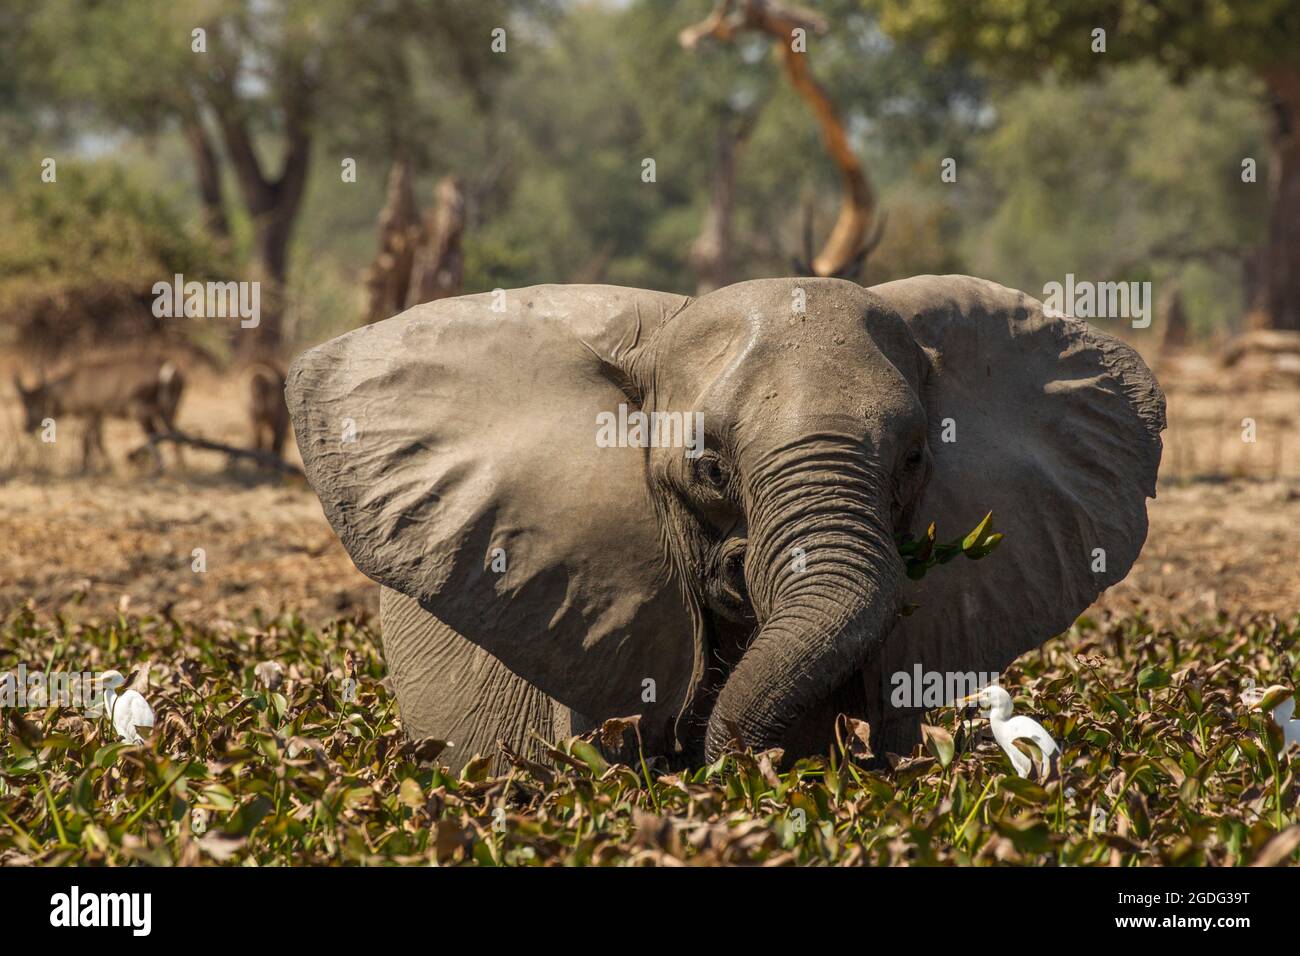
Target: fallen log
(206, 444)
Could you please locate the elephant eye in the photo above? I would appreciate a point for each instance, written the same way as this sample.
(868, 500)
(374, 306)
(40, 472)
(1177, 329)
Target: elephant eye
(913, 457)
(710, 471)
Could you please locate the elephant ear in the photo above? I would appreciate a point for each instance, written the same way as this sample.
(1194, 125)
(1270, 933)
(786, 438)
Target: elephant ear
(454, 449)
(1050, 424)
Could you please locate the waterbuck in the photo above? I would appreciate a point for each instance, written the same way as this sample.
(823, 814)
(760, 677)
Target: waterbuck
(267, 413)
(145, 389)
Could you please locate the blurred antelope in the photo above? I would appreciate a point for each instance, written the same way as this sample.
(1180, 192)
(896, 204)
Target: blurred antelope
(147, 390)
(267, 413)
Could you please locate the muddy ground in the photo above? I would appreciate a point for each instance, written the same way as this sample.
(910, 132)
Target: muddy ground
(1225, 527)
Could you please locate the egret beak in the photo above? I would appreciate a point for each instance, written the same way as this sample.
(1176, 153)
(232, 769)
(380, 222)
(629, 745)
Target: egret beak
(970, 700)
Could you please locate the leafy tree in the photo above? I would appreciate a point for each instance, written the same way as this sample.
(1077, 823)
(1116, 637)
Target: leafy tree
(1119, 177)
(242, 79)
(78, 263)
(1019, 39)
(606, 86)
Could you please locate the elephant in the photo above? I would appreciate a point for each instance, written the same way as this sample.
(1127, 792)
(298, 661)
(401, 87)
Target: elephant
(738, 583)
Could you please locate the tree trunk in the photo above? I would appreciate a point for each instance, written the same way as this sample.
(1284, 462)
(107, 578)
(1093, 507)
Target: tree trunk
(711, 252)
(1172, 316)
(1276, 299)
(208, 172)
(389, 275)
(272, 230)
(439, 263)
(416, 263)
(272, 204)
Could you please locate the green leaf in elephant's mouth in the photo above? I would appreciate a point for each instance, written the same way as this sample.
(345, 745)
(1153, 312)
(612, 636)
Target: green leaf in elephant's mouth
(923, 553)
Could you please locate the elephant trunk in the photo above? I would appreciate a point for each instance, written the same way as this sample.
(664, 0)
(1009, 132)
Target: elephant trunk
(826, 579)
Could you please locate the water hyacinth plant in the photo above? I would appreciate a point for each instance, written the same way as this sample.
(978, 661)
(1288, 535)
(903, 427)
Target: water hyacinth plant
(1160, 763)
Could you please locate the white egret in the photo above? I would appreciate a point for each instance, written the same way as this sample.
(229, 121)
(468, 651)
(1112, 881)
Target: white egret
(1284, 714)
(270, 673)
(1008, 729)
(1279, 702)
(129, 711)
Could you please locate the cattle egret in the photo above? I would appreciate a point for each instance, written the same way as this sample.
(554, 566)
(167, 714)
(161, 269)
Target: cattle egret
(129, 711)
(270, 673)
(1008, 729)
(1284, 714)
(1279, 702)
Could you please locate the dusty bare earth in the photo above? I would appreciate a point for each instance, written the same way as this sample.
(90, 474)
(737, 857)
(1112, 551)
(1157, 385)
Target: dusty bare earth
(82, 545)
(1225, 528)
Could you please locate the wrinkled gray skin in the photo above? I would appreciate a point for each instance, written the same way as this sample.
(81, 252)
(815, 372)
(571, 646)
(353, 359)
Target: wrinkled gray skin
(751, 593)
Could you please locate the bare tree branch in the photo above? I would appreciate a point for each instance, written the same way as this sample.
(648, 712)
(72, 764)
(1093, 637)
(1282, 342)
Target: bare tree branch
(847, 240)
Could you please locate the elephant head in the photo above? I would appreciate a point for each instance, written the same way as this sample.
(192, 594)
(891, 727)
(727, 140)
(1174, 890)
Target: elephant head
(727, 565)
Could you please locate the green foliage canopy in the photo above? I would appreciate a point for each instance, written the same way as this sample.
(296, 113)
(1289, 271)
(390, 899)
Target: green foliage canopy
(1018, 37)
